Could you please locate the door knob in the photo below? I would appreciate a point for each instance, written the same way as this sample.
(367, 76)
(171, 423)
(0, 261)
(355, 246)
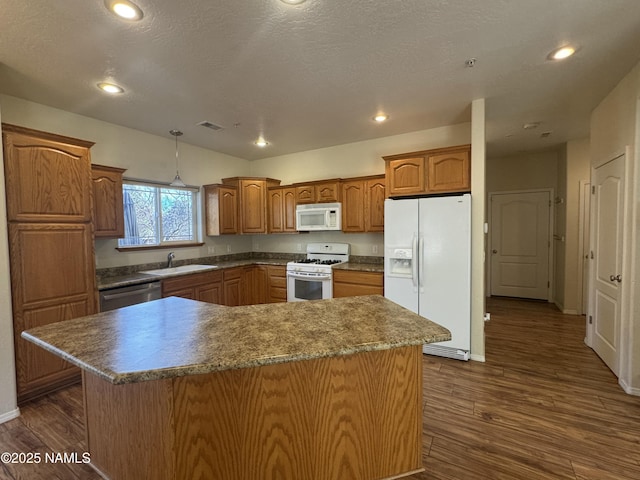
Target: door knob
(494, 251)
(618, 278)
(612, 278)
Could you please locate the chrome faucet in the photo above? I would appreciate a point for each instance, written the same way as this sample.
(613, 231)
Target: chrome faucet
(170, 258)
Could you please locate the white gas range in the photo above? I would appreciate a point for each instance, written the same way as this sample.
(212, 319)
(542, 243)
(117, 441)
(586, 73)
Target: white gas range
(311, 278)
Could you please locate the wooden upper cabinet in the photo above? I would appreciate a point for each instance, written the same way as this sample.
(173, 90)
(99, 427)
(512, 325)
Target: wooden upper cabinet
(323, 191)
(353, 206)
(252, 202)
(328, 191)
(221, 209)
(406, 176)
(443, 170)
(449, 172)
(48, 177)
(305, 193)
(363, 204)
(374, 194)
(281, 210)
(108, 208)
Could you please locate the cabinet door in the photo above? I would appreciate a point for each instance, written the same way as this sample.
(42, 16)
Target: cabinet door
(211, 293)
(353, 206)
(374, 205)
(108, 208)
(449, 172)
(352, 283)
(305, 194)
(232, 286)
(328, 192)
(53, 279)
(48, 177)
(255, 285)
(276, 210)
(253, 206)
(277, 284)
(406, 176)
(289, 210)
(221, 209)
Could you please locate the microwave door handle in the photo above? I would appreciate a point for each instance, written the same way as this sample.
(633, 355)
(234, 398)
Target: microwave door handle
(327, 218)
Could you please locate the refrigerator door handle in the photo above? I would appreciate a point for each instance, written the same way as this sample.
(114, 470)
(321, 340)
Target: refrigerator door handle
(414, 259)
(421, 261)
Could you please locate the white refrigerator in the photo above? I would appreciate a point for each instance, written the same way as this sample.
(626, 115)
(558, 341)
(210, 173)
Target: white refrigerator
(427, 249)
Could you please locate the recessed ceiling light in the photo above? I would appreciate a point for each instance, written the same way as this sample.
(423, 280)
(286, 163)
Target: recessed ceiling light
(293, 2)
(562, 53)
(261, 142)
(381, 117)
(124, 9)
(110, 88)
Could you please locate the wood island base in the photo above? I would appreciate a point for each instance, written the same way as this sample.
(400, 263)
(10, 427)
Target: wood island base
(356, 416)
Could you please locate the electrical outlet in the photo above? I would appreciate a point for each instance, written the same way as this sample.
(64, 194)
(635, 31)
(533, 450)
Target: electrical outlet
(374, 249)
(211, 249)
(257, 246)
(299, 247)
(228, 248)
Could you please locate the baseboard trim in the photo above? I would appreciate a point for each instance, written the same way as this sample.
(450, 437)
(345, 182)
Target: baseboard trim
(477, 358)
(570, 311)
(10, 415)
(628, 388)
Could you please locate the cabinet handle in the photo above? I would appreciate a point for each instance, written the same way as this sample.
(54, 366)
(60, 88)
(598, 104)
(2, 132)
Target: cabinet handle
(618, 278)
(612, 278)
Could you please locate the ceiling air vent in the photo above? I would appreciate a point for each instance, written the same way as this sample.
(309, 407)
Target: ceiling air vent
(545, 134)
(210, 125)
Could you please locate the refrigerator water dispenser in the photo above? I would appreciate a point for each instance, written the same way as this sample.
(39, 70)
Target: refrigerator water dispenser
(400, 262)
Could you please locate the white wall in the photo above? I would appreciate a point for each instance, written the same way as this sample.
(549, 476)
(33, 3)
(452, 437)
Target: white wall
(8, 406)
(615, 129)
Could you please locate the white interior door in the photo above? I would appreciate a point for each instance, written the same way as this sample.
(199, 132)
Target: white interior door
(607, 265)
(520, 244)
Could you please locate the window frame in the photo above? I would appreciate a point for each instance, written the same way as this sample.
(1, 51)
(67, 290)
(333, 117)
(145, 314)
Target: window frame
(195, 209)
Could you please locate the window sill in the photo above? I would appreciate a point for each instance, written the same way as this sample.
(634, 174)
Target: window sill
(158, 247)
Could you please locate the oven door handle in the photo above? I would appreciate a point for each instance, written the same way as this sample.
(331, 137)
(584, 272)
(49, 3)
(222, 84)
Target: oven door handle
(308, 276)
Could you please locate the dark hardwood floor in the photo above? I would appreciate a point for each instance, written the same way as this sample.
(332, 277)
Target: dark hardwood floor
(543, 406)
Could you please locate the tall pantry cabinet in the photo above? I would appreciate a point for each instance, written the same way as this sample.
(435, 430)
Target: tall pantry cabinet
(52, 263)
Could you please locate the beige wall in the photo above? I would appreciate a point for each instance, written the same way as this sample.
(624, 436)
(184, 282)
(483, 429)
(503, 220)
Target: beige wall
(526, 171)
(615, 130)
(577, 175)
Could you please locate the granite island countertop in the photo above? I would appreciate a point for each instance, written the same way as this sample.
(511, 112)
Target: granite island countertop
(174, 336)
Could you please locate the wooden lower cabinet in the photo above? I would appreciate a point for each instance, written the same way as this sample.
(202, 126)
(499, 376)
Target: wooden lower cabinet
(205, 286)
(349, 283)
(277, 283)
(247, 285)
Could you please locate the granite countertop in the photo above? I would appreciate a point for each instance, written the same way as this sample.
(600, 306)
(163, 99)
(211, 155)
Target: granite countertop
(361, 267)
(136, 278)
(174, 336)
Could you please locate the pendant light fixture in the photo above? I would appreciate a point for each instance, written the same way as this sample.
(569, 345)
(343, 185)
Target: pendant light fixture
(177, 181)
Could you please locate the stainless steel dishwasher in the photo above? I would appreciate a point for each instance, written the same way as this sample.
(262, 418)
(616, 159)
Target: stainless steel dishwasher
(130, 295)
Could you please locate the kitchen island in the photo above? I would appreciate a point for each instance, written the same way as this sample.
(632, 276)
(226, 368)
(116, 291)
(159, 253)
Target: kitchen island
(179, 389)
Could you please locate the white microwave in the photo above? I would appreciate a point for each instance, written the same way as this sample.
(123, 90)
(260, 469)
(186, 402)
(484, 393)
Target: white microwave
(319, 216)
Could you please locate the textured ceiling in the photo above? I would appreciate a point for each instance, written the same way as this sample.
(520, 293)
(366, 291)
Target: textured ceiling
(313, 75)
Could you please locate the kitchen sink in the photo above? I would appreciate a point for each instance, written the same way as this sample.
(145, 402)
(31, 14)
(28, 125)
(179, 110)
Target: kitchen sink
(180, 269)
